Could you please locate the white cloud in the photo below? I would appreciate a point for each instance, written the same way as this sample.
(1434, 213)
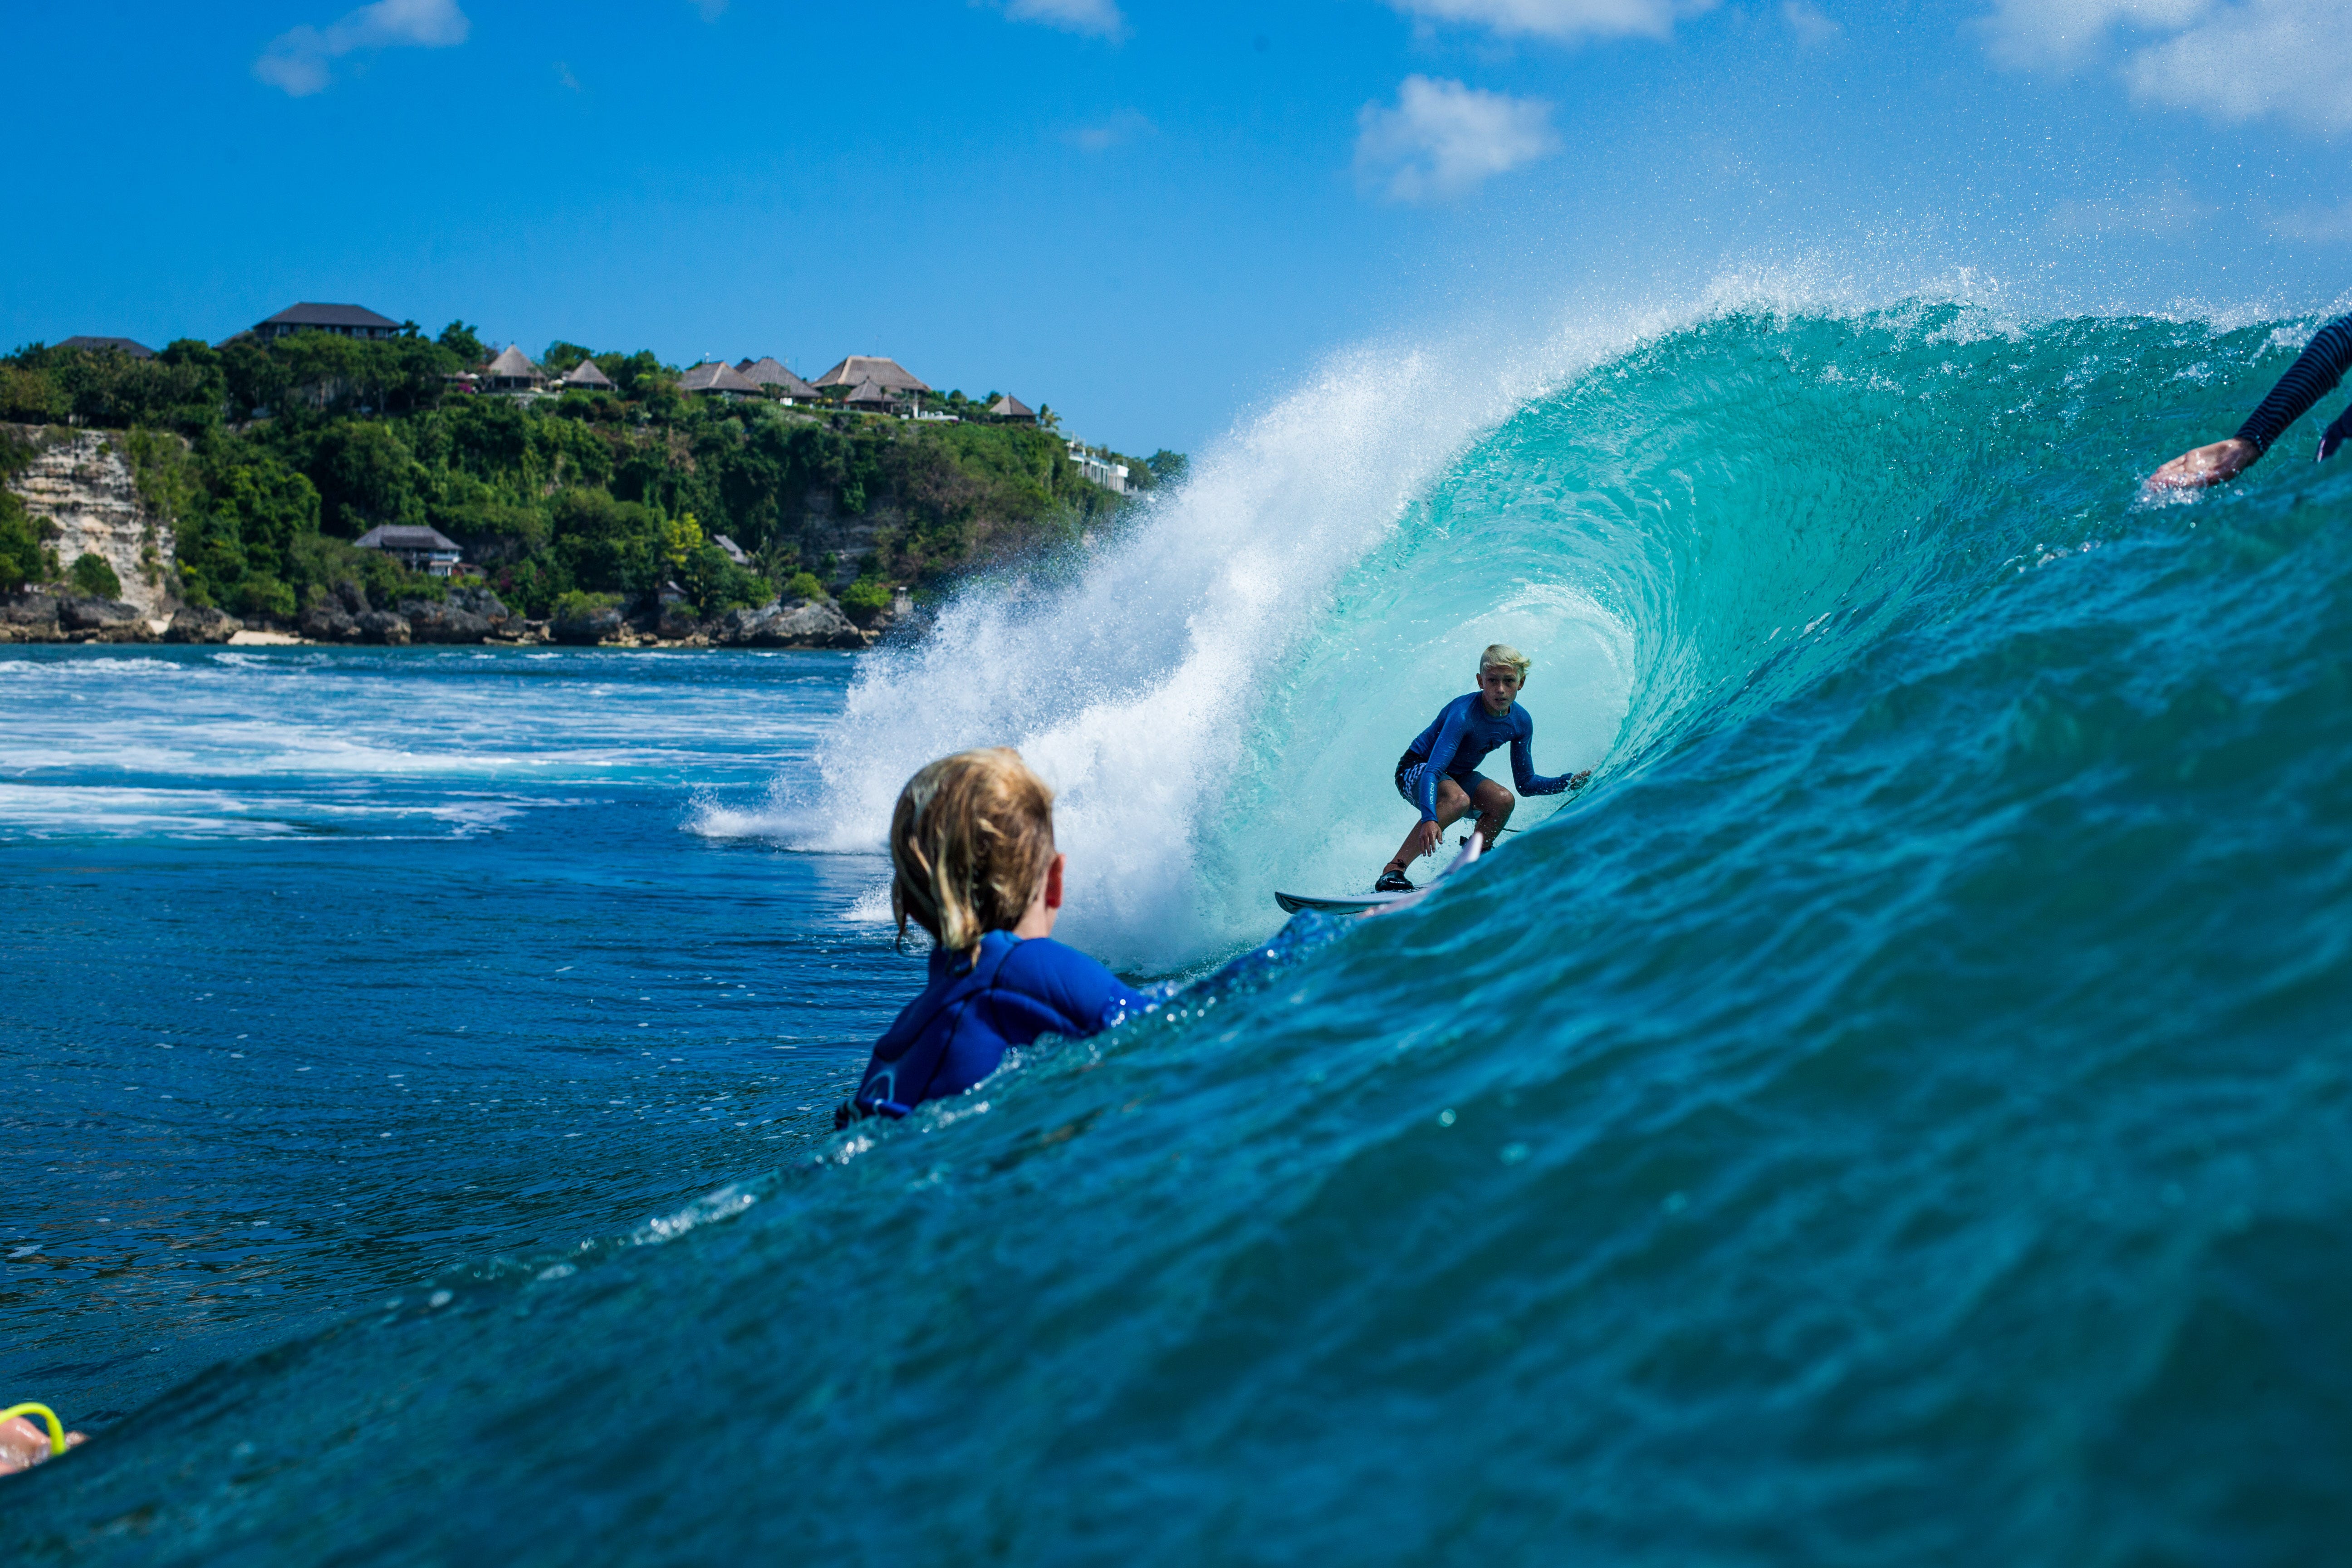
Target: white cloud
(1120, 128)
(1561, 18)
(2232, 60)
(1443, 139)
(1101, 18)
(2032, 34)
(2286, 57)
(1811, 25)
(298, 60)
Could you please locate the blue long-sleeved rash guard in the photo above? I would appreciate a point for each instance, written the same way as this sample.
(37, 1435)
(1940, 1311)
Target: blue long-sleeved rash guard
(1459, 739)
(2313, 375)
(975, 1008)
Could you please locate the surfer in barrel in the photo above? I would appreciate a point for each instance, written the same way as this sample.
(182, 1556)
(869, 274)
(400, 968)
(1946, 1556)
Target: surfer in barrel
(972, 862)
(2313, 375)
(1438, 773)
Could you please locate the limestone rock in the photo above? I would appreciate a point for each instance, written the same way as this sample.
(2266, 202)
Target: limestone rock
(804, 624)
(328, 621)
(586, 629)
(383, 626)
(111, 618)
(206, 625)
(83, 485)
(429, 622)
(30, 617)
(480, 602)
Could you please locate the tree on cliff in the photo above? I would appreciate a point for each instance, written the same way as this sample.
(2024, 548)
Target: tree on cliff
(20, 541)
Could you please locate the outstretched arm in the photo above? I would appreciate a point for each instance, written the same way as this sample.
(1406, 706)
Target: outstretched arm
(2311, 376)
(1523, 766)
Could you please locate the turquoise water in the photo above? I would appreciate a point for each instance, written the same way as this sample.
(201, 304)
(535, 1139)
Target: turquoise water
(1899, 1114)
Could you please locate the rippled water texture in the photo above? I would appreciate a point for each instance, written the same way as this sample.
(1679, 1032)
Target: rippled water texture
(1898, 1114)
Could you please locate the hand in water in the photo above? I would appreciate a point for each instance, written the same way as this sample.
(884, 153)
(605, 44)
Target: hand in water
(2217, 464)
(24, 1445)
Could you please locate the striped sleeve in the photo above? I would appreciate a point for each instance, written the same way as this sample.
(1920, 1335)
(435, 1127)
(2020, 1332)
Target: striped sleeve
(2312, 378)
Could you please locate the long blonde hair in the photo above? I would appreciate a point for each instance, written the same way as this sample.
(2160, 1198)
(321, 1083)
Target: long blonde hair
(970, 839)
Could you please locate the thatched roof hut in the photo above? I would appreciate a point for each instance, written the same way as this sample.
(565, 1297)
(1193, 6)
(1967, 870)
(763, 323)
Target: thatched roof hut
(717, 376)
(1011, 410)
(773, 374)
(887, 374)
(512, 371)
(587, 378)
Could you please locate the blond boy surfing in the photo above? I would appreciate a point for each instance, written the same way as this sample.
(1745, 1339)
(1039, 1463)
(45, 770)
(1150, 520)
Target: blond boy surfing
(1438, 773)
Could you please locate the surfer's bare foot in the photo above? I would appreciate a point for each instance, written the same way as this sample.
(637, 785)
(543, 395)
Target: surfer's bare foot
(2217, 464)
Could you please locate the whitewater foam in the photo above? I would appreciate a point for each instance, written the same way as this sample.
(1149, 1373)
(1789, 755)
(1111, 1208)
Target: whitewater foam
(1138, 679)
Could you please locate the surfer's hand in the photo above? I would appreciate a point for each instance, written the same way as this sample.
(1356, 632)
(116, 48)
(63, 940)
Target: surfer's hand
(1577, 781)
(2217, 464)
(1425, 838)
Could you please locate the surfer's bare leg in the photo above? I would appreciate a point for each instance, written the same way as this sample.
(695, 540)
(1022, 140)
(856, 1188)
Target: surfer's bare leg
(1494, 803)
(1453, 801)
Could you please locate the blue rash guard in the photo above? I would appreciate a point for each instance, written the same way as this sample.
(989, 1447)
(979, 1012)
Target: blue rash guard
(1457, 741)
(2313, 375)
(978, 1006)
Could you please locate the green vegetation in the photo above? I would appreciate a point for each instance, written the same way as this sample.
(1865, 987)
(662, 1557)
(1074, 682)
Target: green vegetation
(269, 458)
(22, 558)
(865, 599)
(93, 576)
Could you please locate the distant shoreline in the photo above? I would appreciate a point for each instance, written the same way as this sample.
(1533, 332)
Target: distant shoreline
(39, 618)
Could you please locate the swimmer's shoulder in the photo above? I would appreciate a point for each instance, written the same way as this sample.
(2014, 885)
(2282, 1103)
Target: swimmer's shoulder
(1081, 987)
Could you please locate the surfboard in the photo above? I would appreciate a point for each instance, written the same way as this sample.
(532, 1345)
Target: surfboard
(1377, 903)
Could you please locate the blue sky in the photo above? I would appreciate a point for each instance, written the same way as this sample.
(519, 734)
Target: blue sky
(1152, 216)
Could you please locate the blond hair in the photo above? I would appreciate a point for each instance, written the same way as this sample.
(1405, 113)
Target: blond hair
(969, 841)
(1503, 656)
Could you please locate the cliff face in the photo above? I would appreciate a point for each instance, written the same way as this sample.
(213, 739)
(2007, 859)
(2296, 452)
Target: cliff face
(83, 485)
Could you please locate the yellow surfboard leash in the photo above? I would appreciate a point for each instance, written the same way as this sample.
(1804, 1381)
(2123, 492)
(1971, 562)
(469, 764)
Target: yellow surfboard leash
(49, 1417)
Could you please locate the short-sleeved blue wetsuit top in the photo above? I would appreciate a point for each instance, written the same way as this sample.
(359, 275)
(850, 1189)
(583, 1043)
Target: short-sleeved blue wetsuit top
(977, 1008)
(1459, 739)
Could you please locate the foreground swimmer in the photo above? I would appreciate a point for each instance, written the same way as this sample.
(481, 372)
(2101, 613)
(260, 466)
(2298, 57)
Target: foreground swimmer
(1438, 772)
(2311, 377)
(972, 852)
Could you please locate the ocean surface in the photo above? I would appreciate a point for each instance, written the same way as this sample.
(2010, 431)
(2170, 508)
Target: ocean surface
(1901, 1112)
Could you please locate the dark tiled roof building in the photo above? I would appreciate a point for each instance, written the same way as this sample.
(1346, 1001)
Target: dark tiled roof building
(100, 345)
(343, 321)
(418, 549)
